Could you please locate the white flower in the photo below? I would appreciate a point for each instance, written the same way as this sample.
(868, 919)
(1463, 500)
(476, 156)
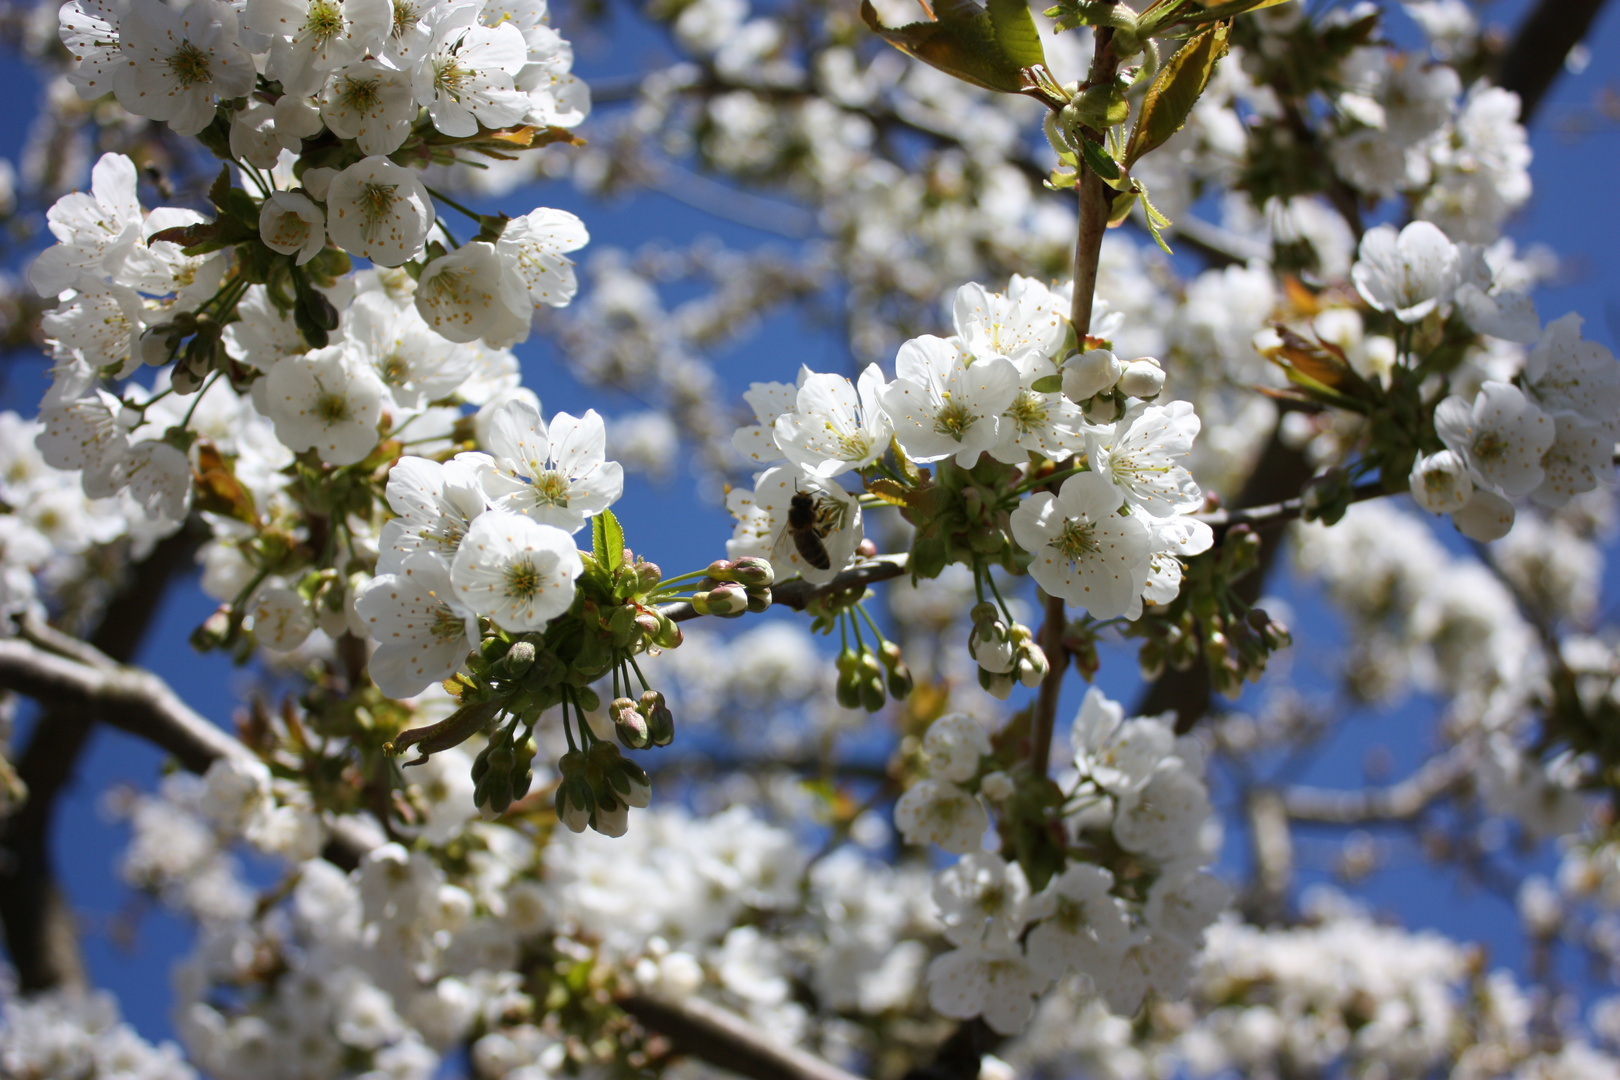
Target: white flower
(1142, 455)
(1082, 927)
(417, 365)
(379, 210)
(101, 321)
(1409, 274)
(292, 224)
(158, 477)
(84, 433)
(179, 60)
(370, 103)
(1580, 458)
(1501, 437)
(939, 812)
(954, 744)
(534, 246)
(991, 979)
(1119, 754)
(1440, 482)
(281, 619)
(329, 401)
(982, 899)
(1082, 549)
(556, 474)
(470, 293)
(89, 32)
(314, 37)
(162, 268)
(757, 441)
(1565, 373)
(1048, 424)
(264, 333)
(93, 232)
(467, 76)
(940, 406)
(516, 571)
(422, 634)
(1487, 516)
(1024, 329)
(1181, 906)
(833, 426)
(1162, 819)
(435, 503)
(762, 524)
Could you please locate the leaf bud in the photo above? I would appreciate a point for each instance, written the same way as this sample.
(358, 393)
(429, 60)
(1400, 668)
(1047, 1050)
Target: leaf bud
(1142, 378)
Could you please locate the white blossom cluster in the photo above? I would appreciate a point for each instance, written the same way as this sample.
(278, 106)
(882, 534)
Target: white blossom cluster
(78, 1034)
(972, 394)
(1136, 784)
(362, 70)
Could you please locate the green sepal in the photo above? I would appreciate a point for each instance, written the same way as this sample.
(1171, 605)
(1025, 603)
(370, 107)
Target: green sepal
(1048, 384)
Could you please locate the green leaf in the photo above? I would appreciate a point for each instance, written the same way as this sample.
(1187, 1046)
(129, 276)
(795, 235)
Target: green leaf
(1227, 10)
(1174, 91)
(1047, 384)
(986, 47)
(1099, 161)
(607, 540)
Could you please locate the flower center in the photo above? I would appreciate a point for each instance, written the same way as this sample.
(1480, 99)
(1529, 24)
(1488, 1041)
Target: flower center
(446, 625)
(325, 21)
(290, 229)
(853, 446)
(1028, 412)
(376, 203)
(360, 95)
(404, 17)
(189, 65)
(449, 77)
(332, 408)
(522, 581)
(1069, 915)
(954, 420)
(1490, 446)
(394, 369)
(1076, 540)
(551, 488)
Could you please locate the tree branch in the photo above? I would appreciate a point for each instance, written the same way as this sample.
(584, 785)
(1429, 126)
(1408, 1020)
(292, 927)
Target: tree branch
(1440, 776)
(721, 1037)
(1532, 63)
(1273, 854)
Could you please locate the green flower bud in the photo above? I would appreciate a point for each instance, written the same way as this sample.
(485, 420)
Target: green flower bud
(628, 724)
(753, 573)
(647, 577)
(519, 659)
(660, 721)
(759, 598)
(669, 634)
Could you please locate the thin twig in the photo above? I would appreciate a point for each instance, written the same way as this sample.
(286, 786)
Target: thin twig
(1440, 776)
(723, 1038)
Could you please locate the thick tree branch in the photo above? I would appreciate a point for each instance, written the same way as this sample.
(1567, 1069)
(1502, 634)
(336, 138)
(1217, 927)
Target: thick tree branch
(1272, 848)
(721, 1037)
(1532, 63)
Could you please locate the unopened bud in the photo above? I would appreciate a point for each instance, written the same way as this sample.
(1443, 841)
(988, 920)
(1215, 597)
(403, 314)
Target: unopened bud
(723, 599)
(647, 576)
(753, 572)
(1090, 373)
(997, 786)
(629, 725)
(759, 599)
(900, 681)
(1142, 378)
(660, 721)
(1032, 664)
(669, 634)
(1103, 409)
(996, 684)
(519, 658)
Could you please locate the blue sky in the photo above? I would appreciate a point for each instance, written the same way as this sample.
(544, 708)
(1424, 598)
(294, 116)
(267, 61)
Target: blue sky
(1571, 212)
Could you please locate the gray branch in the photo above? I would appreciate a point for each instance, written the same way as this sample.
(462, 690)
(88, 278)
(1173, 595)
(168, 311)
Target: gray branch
(1404, 801)
(723, 1038)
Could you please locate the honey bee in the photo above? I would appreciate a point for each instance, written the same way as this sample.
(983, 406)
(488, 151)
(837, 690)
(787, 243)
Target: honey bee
(807, 527)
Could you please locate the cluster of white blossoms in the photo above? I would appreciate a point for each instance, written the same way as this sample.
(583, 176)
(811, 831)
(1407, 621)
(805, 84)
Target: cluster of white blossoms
(1108, 540)
(1137, 788)
(1545, 430)
(79, 1034)
(483, 535)
(362, 70)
